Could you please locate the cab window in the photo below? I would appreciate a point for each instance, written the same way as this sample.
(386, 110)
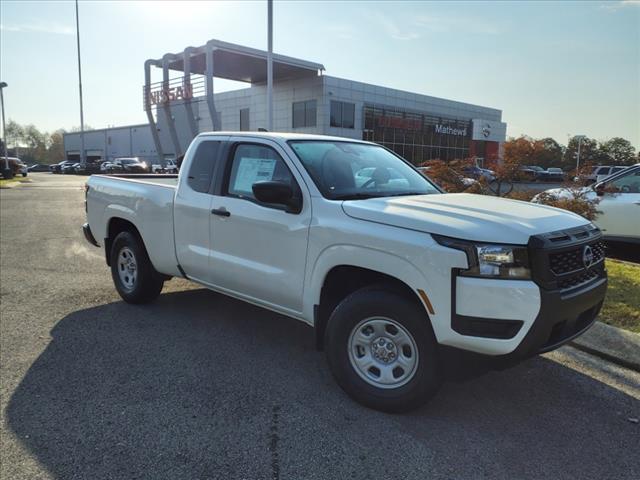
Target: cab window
(201, 169)
(256, 163)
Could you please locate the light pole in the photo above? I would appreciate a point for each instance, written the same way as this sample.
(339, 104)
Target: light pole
(270, 65)
(82, 155)
(579, 137)
(6, 171)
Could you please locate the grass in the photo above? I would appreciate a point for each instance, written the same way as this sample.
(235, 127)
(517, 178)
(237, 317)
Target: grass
(622, 304)
(8, 183)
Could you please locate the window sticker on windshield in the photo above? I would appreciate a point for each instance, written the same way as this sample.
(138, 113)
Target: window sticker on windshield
(252, 170)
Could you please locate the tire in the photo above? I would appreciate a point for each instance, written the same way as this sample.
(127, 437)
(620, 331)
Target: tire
(140, 284)
(24, 175)
(379, 310)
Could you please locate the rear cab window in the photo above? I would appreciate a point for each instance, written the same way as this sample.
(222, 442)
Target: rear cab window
(202, 166)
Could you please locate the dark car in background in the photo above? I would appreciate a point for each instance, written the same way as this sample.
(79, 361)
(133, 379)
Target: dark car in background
(128, 165)
(57, 167)
(39, 167)
(69, 168)
(552, 174)
(88, 168)
(531, 173)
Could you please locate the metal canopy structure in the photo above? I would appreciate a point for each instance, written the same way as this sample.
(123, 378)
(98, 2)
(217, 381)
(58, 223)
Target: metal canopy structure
(244, 64)
(214, 59)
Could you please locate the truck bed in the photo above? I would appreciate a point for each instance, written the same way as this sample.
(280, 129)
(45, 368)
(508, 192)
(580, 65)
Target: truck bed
(146, 201)
(165, 180)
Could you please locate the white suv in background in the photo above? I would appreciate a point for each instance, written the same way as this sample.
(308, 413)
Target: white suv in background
(619, 205)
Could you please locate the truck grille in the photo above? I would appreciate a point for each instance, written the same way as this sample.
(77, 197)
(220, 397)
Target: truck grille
(571, 261)
(580, 279)
(568, 259)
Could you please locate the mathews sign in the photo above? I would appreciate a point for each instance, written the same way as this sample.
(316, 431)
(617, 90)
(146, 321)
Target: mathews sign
(447, 130)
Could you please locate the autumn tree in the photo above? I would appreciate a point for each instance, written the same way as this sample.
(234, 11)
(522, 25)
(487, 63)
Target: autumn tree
(545, 152)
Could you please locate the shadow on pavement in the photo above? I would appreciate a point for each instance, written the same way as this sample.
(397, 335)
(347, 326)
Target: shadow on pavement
(198, 385)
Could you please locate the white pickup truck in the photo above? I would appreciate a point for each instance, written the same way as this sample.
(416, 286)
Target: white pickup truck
(391, 272)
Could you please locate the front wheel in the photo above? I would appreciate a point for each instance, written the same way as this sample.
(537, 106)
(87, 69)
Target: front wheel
(382, 351)
(133, 274)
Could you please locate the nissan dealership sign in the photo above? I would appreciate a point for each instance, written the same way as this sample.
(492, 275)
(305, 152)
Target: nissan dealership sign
(488, 130)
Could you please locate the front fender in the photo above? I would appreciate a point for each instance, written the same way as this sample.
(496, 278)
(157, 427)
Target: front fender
(363, 257)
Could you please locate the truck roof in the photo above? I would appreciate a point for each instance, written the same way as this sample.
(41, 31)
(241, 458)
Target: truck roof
(282, 136)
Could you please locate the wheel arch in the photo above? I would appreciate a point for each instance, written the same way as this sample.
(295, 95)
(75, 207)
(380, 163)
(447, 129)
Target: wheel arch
(342, 280)
(115, 226)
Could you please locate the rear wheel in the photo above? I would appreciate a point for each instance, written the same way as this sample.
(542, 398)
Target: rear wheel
(382, 351)
(133, 274)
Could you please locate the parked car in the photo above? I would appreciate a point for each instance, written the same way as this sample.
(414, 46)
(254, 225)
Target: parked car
(466, 181)
(88, 168)
(389, 274)
(552, 174)
(57, 167)
(16, 165)
(478, 173)
(69, 168)
(39, 167)
(601, 172)
(619, 206)
(531, 172)
(169, 167)
(128, 165)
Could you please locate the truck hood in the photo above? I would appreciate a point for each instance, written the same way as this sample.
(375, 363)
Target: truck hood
(466, 216)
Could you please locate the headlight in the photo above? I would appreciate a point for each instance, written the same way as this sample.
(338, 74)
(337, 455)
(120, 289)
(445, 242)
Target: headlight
(491, 260)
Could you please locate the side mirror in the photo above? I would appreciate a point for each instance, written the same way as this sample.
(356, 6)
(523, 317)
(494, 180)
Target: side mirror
(599, 189)
(277, 193)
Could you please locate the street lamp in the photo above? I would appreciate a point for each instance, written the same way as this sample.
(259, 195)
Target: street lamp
(6, 171)
(580, 138)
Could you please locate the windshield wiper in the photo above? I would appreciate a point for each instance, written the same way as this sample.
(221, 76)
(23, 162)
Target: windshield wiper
(406, 193)
(355, 196)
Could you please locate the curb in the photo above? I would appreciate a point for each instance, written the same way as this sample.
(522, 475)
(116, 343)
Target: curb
(612, 344)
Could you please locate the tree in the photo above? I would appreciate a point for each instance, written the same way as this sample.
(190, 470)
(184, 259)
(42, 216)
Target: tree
(547, 153)
(525, 150)
(36, 143)
(617, 151)
(14, 134)
(55, 150)
(588, 153)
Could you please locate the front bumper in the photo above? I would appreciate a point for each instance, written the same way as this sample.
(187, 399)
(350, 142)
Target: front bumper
(562, 317)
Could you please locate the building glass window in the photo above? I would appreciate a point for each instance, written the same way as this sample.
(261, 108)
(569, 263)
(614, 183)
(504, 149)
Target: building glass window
(244, 120)
(418, 137)
(342, 114)
(304, 114)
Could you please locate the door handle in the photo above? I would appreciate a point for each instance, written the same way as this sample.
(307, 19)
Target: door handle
(223, 212)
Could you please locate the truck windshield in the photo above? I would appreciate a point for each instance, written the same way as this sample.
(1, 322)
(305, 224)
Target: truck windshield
(351, 171)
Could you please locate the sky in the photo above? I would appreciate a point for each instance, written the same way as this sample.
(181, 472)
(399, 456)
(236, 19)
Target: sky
(554, 68)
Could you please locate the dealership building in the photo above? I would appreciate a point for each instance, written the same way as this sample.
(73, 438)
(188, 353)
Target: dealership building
(305, 100)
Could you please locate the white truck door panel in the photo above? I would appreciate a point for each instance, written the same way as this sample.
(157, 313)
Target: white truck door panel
(257, 250)
(192, 212)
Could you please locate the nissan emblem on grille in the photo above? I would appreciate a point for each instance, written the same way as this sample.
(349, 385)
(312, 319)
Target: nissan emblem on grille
(587, 256)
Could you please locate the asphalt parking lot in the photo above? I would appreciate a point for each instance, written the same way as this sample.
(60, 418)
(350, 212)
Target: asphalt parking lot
(200, 386)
